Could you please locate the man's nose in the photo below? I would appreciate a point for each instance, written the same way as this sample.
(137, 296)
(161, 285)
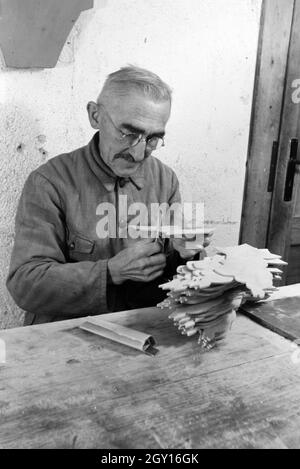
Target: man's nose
(138, 152)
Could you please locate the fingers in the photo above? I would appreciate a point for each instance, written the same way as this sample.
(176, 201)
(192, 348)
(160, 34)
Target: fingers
(190, 253)
(178, 243)
(152, 273)
(207, 240)
(153, 267)
(155, 260)
(142, 241)
(155, 275)
(147, 265)
(148, 248)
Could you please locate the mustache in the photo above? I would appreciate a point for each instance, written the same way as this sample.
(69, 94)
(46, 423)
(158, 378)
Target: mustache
(125, 156)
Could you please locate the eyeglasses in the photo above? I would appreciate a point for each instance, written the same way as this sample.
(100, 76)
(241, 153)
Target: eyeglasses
(133, 139)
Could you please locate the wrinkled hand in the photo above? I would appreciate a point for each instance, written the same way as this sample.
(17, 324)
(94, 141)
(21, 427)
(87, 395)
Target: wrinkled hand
(142, 262)
(179, 245)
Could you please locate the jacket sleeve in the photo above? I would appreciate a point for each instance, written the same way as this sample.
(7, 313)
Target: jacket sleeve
(40, 279)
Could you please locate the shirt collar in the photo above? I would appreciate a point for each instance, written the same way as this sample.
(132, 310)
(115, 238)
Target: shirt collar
(104, 173)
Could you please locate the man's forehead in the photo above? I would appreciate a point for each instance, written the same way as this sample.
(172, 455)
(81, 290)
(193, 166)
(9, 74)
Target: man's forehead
(136, 99)
(134, 109)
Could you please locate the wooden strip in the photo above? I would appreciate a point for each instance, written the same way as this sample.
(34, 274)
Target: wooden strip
(265, 121)
(123, 335)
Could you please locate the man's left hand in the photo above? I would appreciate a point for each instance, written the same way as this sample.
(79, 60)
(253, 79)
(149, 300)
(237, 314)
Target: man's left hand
(179, 245)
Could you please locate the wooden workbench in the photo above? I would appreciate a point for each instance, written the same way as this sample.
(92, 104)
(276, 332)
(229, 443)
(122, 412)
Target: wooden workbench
(62, 387)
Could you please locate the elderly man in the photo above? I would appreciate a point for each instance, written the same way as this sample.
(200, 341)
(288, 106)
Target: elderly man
(61, 268)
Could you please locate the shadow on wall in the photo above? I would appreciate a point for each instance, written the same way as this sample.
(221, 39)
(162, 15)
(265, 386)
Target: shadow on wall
(22, 149)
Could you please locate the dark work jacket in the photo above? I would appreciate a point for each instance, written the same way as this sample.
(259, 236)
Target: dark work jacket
(59, 264)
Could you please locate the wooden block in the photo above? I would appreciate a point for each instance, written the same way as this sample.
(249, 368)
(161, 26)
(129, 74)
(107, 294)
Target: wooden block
(281, 316)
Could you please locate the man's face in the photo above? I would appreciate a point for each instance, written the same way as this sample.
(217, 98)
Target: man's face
(130, 114)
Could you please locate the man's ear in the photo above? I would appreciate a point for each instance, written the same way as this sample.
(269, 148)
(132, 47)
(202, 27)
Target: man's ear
(93, 112)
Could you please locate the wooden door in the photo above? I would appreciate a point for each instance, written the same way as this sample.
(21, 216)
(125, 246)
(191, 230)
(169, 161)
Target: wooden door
(293, 271)
(271, 208)
(284, 227)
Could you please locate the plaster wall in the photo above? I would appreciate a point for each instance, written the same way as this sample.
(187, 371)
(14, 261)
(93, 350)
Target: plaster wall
(206, 51)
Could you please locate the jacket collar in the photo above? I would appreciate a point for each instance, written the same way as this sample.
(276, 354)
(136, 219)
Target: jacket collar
(104, 173)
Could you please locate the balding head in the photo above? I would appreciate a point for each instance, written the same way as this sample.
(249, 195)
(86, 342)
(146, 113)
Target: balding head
(136, 79)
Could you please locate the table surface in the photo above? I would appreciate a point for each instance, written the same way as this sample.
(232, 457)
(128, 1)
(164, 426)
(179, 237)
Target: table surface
(62, 387)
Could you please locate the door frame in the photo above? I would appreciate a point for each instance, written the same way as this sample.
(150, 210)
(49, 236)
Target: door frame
(284, 201)
(266, 116)
(266, 217)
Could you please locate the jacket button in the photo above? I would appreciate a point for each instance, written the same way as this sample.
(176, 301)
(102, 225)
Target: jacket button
(123, 223)
(123, 181)
(72, 246)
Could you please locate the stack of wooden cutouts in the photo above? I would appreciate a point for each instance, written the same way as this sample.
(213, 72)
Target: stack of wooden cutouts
(205, 295)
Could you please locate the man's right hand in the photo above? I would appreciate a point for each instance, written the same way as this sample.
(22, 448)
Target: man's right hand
(142, 262)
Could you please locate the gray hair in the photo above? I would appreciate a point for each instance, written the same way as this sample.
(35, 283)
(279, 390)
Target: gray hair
(132, 77)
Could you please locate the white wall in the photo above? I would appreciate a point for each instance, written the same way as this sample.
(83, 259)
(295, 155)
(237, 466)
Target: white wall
(205, 49)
